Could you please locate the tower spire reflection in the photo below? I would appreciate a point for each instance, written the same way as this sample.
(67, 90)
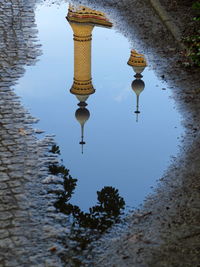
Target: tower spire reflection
(82, 114)
(138, 62)
(82, 21)
(137, 86)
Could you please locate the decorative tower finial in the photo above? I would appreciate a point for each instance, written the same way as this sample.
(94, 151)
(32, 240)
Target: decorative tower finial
(82, 137)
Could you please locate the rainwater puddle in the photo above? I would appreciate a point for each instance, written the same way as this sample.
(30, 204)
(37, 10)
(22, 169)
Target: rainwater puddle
(119, 152)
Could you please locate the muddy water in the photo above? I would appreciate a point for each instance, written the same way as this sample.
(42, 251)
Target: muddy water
(119, 151)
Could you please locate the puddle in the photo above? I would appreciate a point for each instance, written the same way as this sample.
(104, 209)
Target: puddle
(119, 151)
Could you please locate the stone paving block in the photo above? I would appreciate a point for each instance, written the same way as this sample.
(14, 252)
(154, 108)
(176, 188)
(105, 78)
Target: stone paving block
(3, 185)
(4, 177)
(5, 215)
(14, 183)
(4, 233)
(6, 243)
(5, 224)
(20, 240)
(4, 192)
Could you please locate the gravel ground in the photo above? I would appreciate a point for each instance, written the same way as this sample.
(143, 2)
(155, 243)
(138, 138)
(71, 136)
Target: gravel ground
(166, 230)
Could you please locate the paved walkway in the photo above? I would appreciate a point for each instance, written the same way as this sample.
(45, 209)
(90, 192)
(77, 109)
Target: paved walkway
(29, 226)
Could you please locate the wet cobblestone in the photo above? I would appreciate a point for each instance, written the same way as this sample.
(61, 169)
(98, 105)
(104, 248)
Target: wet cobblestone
(26, 232)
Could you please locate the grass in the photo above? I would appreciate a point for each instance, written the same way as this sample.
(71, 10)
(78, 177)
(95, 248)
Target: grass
(192, 40)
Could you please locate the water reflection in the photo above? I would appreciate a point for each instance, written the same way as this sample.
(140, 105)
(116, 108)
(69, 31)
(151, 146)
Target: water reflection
(86, 226)
(113, 101)
(82, 21)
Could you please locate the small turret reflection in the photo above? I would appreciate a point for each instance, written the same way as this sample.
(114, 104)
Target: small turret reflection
(138, 63)
(82, 114)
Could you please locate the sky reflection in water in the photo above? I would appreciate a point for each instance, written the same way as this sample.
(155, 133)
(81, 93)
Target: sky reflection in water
(119, 152)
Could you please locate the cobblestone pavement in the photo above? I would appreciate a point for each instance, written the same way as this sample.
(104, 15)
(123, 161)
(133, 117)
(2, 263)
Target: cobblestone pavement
(29, 226)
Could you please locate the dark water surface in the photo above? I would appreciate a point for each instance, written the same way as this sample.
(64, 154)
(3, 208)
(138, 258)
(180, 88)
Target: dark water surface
(119, 151)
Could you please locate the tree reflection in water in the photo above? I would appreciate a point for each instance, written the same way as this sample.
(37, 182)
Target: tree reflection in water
(87, 226)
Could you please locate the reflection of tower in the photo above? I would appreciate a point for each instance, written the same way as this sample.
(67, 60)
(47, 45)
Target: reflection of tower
(82, 21)
(138, 62)
(82, 85)
(82, 115)
(137, 86)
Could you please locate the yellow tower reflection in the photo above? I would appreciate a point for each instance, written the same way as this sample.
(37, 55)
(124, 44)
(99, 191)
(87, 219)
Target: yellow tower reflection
(138, 63)
(82, 21)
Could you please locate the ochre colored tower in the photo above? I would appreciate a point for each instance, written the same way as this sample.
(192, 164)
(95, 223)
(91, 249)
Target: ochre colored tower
(82, 21)
(82, 59)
